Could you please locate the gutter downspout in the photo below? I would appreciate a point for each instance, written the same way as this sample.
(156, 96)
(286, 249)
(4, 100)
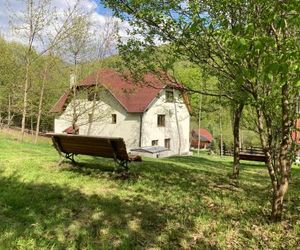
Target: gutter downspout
(177, 123)
(141, 129)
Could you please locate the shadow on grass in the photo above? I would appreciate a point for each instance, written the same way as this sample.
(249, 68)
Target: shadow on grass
(97, 167)
(160, 211)
(50, 216)
(196, 176)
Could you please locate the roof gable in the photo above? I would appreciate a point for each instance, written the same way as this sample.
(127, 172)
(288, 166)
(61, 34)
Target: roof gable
(205, 135)
(59, 105)
(135, 97)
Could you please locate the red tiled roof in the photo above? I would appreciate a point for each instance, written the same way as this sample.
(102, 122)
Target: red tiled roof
(203, 133)
(71, 130)
(59, 105)
(134, 97)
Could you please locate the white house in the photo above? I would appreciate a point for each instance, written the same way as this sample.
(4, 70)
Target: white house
(154, 113)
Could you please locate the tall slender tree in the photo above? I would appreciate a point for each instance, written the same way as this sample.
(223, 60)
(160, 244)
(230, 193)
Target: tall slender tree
(253, 49)
(37, 19)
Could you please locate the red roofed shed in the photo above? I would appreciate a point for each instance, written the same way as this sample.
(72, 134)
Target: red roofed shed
(205, 138)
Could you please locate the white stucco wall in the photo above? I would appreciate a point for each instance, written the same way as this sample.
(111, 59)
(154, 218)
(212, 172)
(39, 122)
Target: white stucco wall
(127, 126)
(151, 131)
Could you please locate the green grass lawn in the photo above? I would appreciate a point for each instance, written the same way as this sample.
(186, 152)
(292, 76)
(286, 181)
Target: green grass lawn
(172, 203)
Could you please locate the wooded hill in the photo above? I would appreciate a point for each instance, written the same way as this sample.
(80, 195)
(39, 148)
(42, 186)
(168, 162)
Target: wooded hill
(214, 116)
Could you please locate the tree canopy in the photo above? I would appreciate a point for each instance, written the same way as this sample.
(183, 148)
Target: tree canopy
(252, 47)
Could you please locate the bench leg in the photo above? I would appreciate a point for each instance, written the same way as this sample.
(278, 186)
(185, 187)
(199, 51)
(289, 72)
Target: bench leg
(124, 164)
(70, 156)
(121, 165)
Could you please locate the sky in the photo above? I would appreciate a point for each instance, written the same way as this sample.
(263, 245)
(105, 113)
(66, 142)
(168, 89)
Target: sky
(99, 16)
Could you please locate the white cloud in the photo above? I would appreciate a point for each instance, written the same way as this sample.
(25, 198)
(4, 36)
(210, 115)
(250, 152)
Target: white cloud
(100, 22)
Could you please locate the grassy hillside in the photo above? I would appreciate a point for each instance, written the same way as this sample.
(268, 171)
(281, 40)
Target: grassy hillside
(173, 203)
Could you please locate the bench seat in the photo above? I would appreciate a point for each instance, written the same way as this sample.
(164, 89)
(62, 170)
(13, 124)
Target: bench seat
(69, 145)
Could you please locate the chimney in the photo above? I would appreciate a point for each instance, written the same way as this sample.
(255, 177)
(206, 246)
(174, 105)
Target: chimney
(72, 79)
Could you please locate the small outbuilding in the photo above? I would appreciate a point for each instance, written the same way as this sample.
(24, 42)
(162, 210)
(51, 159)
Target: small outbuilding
(205, 138)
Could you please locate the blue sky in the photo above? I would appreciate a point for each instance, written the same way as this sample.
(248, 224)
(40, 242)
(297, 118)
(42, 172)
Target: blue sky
(101, 9)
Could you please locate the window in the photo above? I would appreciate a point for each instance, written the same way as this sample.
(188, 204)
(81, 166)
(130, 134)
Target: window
(161, 120)
(113, 118)
(90, 118)
(154, 143)
(169, 96)
(168, 143)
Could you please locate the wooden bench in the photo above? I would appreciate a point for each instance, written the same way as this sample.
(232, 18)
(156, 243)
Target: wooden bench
(250, 154)
(252, 157)
(253, 154)
(69, 145)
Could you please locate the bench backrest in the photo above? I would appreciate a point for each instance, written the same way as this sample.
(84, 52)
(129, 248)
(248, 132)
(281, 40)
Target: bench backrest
(108, 147)
(252, 157)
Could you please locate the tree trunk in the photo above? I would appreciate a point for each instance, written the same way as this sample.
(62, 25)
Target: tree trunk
(199, 124)
(0, 121)
(28, 64)
(74, 88)
(277, 199)
(221, 134)
(278, 163)
(25, 101)
(284, 158)
(236, 140)
(31, 125)
(177, 123)
(96, 91)
(276, 207)
(90, 123)
(37, 130)
(9, 111)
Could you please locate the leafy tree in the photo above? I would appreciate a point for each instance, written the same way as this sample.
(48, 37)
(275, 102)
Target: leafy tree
(38, 21)
(189, 37)
(252, 47)
(80, 47)
(11, 71)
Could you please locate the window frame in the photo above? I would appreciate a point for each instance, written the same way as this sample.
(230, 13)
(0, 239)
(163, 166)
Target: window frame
(168, 141)
(161, 120)
(114, 118)
(169, 96)
(154, 143)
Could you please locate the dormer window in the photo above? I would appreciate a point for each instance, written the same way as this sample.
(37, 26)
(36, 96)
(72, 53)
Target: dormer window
(169, 96)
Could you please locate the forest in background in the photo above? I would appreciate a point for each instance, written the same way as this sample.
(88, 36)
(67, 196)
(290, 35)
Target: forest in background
(12, 70)
(215, 116)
